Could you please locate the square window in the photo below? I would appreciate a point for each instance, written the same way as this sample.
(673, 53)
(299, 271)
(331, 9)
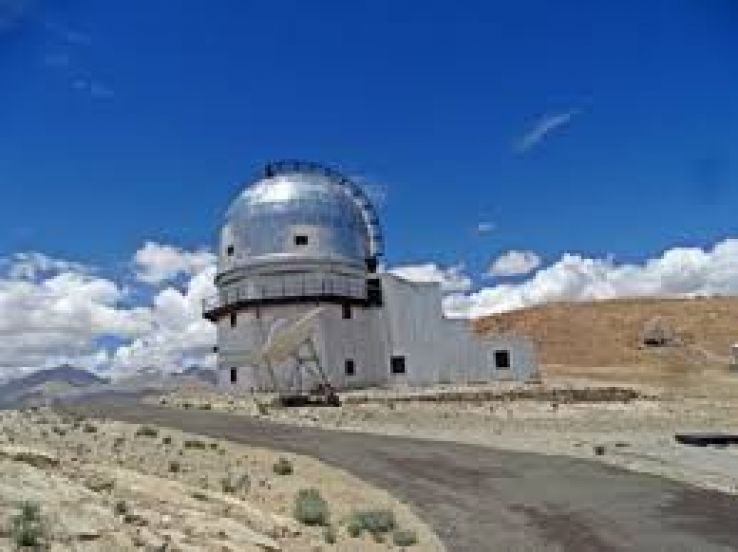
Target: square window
(234, 375)
(230, 250)
(234, 319)
(502, 359)
(350, 367)
(397, 364)
(346, 311)
(301, 240)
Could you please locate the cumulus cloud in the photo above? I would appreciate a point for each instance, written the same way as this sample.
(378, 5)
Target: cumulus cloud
(452, 278)
(543, 127)
(32, 265)
(180, 336)
(678, 272)
(56, 311)
(156, 263)
(514, 263)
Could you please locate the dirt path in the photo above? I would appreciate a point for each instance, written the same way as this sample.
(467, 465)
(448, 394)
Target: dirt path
(480, 499)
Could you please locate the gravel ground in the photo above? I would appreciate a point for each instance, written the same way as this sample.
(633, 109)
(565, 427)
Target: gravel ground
(479, 498)
(113, 486)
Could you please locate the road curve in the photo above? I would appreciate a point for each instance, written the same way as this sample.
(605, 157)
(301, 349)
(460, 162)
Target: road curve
(479, 499)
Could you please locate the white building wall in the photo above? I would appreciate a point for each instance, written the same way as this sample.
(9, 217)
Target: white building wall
(410, 324)
(359, 338)
(439, 350)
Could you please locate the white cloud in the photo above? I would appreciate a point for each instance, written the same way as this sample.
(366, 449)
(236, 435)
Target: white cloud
(53, 309)
(32, 265)
(544, 126)
(485, 227)
(157, 264)
(180, 336)
(56, 311)
(514, 263)
(452, 278)
(678, 272)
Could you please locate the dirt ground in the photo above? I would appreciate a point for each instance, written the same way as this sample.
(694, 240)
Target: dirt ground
(104, 485)
(577, 421)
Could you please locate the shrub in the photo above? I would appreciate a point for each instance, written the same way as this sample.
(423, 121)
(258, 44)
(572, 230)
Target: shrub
(194, 444)
(404, 537)
(206, 406)
(27, 528)
(376, 522)
(147, 431)
(311, 508)
(118, 442)
(120, 508)
(174, 466)
(282, 466)
(89, 428)
(262, 408)
(354, 528)
(329, 535)
(234, 484)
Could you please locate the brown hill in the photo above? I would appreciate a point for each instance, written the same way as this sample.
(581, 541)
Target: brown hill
(699, 332)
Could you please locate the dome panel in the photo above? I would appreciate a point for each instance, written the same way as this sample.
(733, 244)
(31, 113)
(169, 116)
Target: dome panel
(302, 212)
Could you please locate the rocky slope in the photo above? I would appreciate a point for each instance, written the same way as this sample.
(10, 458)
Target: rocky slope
(69, 483)
(610, 333)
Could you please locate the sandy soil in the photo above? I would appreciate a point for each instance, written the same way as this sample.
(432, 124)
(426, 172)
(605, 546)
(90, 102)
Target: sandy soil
(636, 434)
(115, 486)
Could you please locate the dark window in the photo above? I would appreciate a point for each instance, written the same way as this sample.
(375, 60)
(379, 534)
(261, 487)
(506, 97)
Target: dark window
(374, 292)
(230, 251)
(234, 375)
(301, 240)
(346, 311)
(502, 359)
(397, 364)
(234, 319)
(350, 367)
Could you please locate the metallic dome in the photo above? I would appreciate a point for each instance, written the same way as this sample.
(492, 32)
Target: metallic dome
(300, 211)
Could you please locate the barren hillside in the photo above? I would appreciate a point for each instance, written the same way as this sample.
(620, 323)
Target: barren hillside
(609, 333)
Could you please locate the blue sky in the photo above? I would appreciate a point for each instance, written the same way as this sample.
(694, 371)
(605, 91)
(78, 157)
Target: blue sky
(127, 121)
(595, 143)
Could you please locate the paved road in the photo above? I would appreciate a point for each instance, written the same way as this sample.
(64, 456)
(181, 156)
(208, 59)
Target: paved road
(479, 499)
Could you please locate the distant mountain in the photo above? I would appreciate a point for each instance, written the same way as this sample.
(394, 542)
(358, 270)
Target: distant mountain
(45, 383)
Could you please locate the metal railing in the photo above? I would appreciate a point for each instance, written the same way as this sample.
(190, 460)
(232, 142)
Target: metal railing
(288, 286)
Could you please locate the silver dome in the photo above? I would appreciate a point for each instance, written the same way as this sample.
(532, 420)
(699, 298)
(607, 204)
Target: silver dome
(300, 211)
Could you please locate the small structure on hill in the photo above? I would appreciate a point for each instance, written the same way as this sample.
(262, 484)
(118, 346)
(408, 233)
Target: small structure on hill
(657, 333)
(301, 302)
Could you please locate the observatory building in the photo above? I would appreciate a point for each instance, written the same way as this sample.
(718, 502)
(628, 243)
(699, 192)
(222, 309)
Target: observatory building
(301, 301)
